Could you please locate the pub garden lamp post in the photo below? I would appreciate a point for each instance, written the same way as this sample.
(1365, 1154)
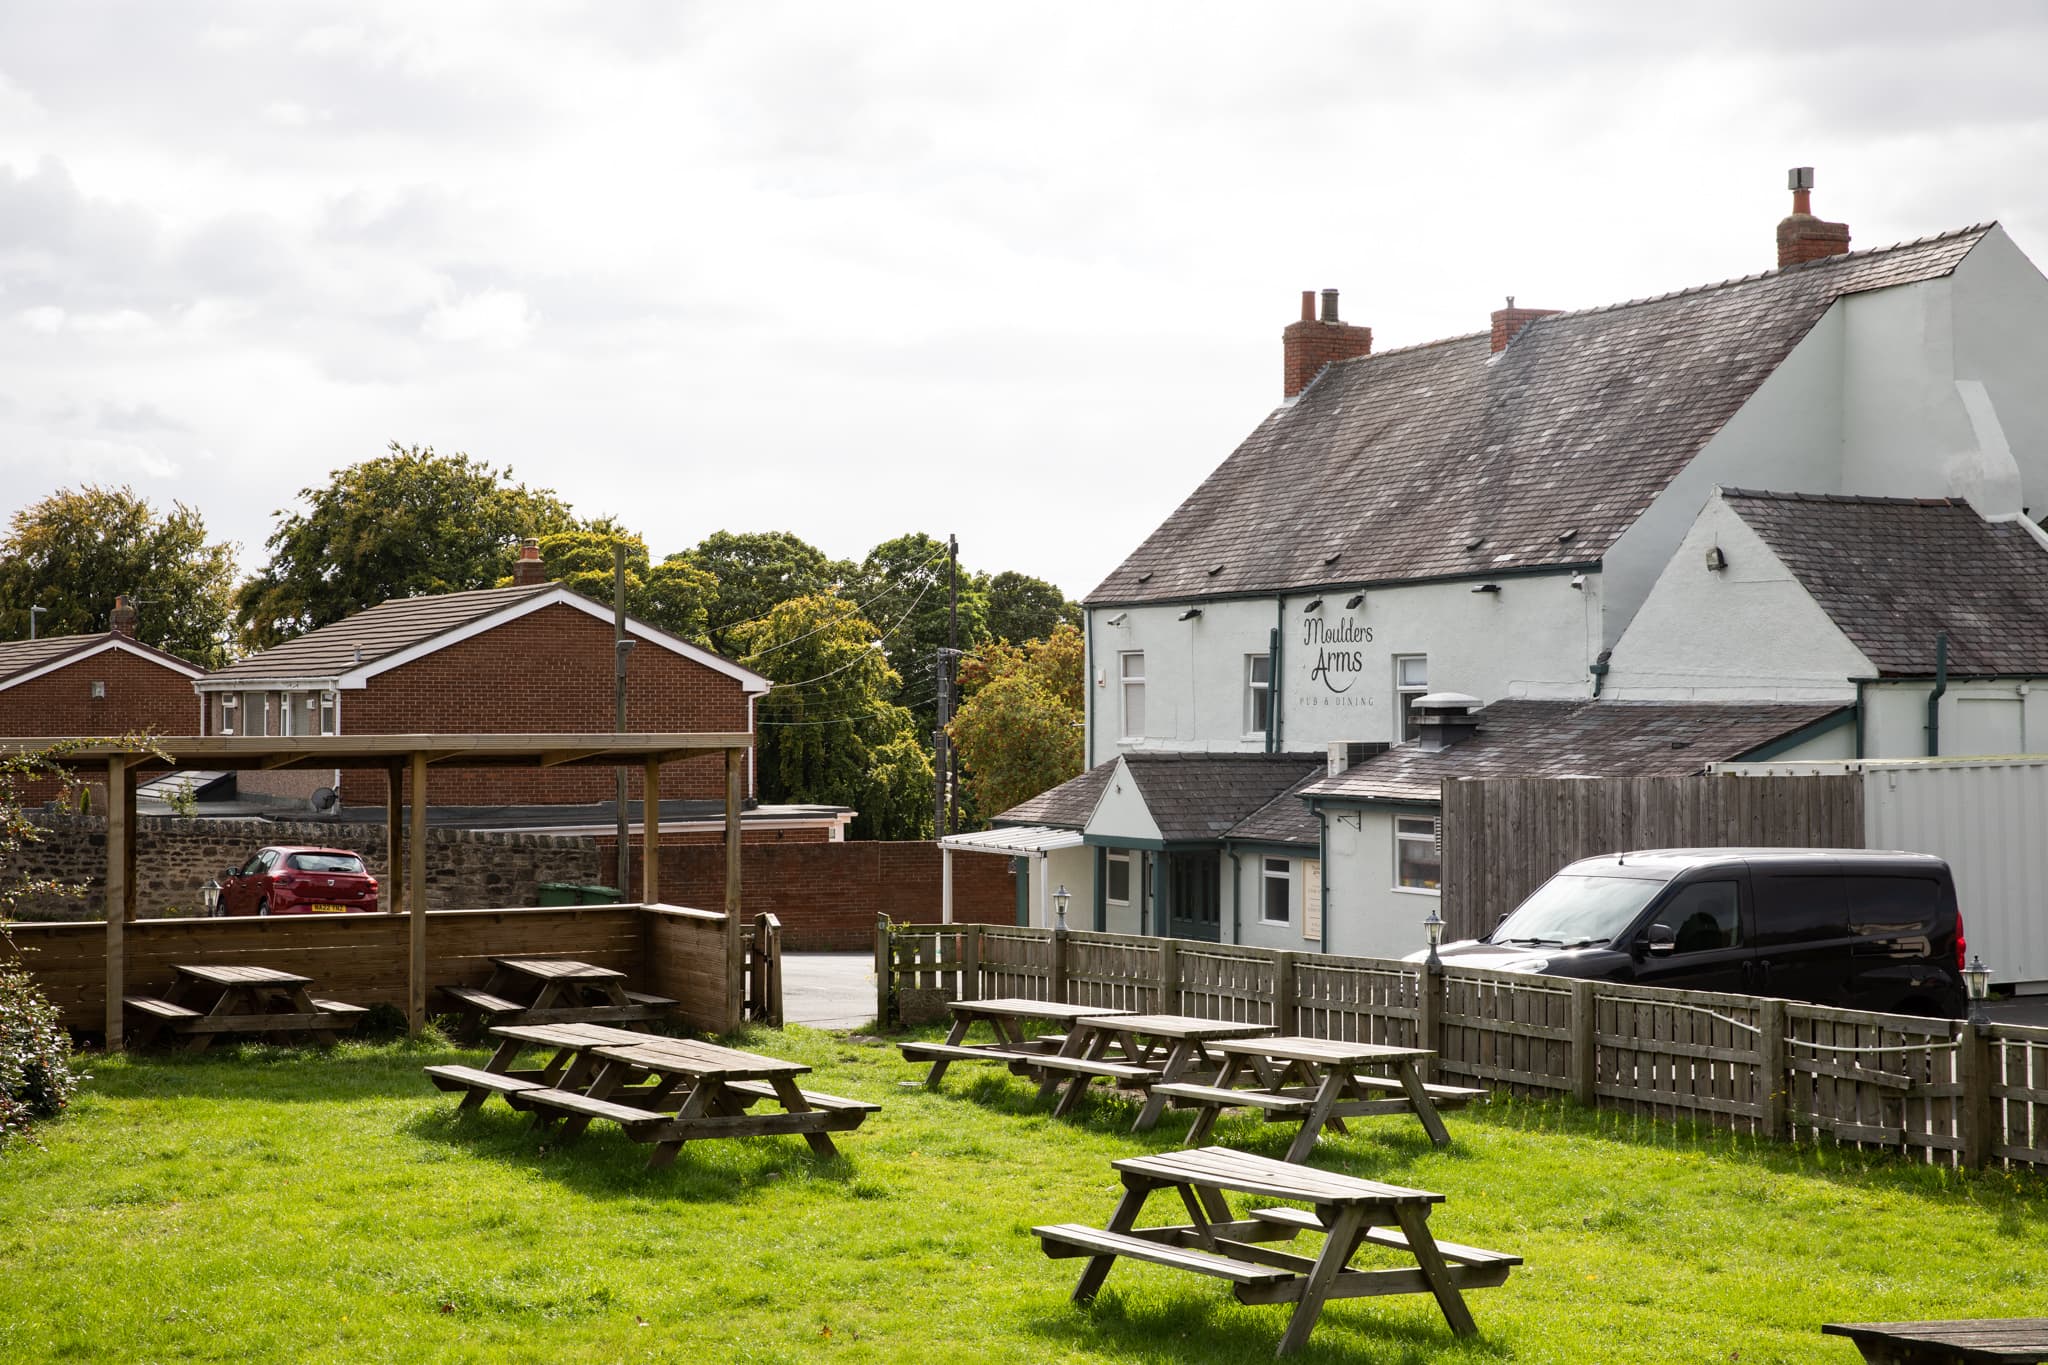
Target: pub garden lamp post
(1059, 900)
(1977, 977)
(211, 893)
(1433, 925)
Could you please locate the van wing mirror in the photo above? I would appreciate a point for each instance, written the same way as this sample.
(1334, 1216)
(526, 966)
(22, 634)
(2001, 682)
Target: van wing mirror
(1659, 940)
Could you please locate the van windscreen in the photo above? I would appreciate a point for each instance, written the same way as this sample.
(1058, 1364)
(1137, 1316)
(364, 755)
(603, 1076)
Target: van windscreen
(1573, 910)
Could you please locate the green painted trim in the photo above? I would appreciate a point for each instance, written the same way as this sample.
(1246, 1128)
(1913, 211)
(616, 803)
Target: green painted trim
(1022, 867)
(1344, 585)
(1265, 849)
(1785, 743)
(1323, 860)
(1859, 720)
(1317, 803)
(1105, 841)
(1101, 889)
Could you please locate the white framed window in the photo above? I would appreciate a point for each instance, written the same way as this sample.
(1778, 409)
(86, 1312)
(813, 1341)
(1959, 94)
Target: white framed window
(1411, 680)
(1131, 668)
(1276, 886)
(1258, 693)
(1418, 856)
(1116, 880)
(327, 716)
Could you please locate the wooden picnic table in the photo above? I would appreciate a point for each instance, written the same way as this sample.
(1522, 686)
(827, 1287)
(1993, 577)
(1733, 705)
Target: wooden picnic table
(1318, 1083)
(2013, 1341)
(555, 990)
(1347, 1211)
(1005, 1017)
(666, 1091)
(207, 1000)
(1152, 1049)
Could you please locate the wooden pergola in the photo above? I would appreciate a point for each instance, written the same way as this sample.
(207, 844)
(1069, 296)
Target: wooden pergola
(396, 756)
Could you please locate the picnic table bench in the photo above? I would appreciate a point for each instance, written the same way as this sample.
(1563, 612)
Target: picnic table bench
(259, 1000)
(2012, 1341)
(1151, 1050)
(1348, 1212)
(554, 990)
(664, 1091)
(1005, 1018)
(1318, 1083)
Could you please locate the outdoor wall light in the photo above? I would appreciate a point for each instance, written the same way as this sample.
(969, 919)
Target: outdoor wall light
(1352, 605)
(1190, 614)
(1316, 605)
(1977, 977)
(1487, 587)
(1117, 619)
(1433, 925)
(1716, 560)
(1059, 900)
(210, 893)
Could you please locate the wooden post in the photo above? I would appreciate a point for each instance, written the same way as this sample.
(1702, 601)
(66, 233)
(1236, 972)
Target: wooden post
(128, 881)
(1429, 1018)
(394, 836)
(1585, 1044)
(118, 865)
(1283, 990)
(1169, 975)
(970, 962)
(1772, 1078)
(735, 964)
(882, 956)
(1979, 1115)
(416, 900)
(1056, 989)
(650, 838)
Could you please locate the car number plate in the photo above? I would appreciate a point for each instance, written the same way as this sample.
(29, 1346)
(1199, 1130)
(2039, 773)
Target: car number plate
(329, 909)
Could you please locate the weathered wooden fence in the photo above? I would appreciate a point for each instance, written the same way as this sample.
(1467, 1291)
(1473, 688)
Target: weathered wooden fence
(1938, 1089)
(1504, 836)
(364, 959)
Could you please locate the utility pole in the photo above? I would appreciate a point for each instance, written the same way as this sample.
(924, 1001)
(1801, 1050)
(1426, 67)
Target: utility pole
(622, 645)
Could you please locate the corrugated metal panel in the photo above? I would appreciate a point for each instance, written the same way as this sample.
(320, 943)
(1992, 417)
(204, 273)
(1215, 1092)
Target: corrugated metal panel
(1990, 821)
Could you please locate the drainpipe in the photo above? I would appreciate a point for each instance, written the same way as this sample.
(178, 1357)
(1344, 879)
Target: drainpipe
(1274, 692)
(1859, 720)
(1934, 697)
(1600, 671)
(1323, 861)
(1236, 899)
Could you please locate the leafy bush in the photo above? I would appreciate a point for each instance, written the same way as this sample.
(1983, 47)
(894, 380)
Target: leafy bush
(36, 1077)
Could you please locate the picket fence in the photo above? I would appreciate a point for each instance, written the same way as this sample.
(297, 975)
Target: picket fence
(1939, 1090)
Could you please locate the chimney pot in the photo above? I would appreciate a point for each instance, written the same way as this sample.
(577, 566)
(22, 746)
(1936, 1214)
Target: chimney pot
(528, 569)
(1801, 236)
(121, 620)
(1307, 346)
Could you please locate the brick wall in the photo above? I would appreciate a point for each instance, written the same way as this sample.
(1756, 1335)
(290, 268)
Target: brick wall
(828, 895)
(142, 695)
(1308, 345)
(549, 671)
(466, 869)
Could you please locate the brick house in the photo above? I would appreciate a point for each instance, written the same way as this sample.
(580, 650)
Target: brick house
(105, 684)
(532, 658)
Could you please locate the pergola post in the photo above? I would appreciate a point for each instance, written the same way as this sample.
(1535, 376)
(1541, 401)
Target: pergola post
(945, 884)
(416, 899)
(735, 952)
(120, 889)
(650, 839)
(394, 836)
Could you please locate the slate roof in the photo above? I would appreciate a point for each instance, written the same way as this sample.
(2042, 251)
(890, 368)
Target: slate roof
(1524, 738)
(1286, 819)
(1893, 573)
(23, 656)
(1387, 467)
(378, 631)
(1066, 806)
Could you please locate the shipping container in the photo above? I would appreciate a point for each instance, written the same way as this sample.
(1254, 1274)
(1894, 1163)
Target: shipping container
(1988, 817)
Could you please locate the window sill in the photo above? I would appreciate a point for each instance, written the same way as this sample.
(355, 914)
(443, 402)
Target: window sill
(1275, 923)
(1416, 891)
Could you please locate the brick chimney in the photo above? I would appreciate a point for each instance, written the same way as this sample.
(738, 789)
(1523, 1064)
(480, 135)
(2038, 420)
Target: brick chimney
(121, 620)
(1312, 343)
(1803, 237)
(1510, 320)
(527, 570)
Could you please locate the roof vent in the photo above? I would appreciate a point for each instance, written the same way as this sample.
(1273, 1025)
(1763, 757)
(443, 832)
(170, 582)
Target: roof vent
(1443, 719)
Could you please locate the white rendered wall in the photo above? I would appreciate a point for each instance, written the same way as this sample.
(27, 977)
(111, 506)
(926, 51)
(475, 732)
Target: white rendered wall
(1369, 916)
(1251, 929)
(1073, 868)
(1536, 637)
(1999, 301)
(1748, 632)
(1977, 719)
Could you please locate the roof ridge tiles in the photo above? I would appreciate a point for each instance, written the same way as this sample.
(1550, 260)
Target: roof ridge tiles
(1870, 499)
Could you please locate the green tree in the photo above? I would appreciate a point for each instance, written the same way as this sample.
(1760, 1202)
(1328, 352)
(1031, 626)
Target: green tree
(903, 584)
(75, 550)
(407, 523)
(757, 571)
(830, 731)
(1022, 608)
(675, 594)
(1019, 732)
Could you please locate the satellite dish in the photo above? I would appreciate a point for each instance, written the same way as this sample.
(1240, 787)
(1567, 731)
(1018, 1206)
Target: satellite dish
(326, 799)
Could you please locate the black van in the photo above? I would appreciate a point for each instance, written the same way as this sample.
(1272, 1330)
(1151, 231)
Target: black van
(1844, 927)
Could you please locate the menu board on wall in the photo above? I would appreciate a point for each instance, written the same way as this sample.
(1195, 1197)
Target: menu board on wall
(1312, 899)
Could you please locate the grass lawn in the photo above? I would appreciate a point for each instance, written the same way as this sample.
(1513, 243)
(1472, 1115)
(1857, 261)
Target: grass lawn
(293, 1205)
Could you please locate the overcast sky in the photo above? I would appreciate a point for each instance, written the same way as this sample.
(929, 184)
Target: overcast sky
(852, 269)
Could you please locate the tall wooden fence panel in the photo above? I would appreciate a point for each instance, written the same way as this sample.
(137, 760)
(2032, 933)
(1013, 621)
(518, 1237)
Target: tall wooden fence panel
(1938, 1090)
(1504, 836)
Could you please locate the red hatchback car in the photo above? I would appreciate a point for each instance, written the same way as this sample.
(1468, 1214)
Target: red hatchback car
(298, 881)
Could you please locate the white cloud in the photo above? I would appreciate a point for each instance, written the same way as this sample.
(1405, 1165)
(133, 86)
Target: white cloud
(495, 318)
(46, 319)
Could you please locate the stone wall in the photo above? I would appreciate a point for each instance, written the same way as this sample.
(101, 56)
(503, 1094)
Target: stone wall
(174, 856)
